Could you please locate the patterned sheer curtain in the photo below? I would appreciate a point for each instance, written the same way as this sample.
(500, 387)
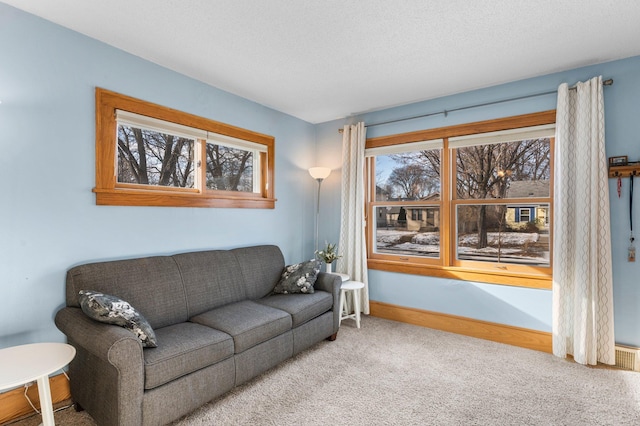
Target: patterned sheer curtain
(582, 268)
(352, 223)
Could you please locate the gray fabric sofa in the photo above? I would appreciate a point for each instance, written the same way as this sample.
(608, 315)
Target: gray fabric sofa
(216, 321)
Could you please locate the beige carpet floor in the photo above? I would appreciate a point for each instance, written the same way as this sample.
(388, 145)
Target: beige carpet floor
(389, 373)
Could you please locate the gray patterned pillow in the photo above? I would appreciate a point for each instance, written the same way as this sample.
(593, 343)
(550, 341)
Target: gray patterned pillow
(112, 310)
(298, 278)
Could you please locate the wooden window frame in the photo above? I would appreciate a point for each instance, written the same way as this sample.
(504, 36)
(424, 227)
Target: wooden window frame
(448, 266)
(109, 192)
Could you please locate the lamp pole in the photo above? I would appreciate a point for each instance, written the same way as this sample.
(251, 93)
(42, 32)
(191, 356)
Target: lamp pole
(319, 174)
(317, 213)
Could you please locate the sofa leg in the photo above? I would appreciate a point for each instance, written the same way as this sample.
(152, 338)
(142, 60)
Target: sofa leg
(332, 337)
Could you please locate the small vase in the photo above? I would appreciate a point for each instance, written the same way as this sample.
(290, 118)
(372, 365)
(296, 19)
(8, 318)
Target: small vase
(328, 267)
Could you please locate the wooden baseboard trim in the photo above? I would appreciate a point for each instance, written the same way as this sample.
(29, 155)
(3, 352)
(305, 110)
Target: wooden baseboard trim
(523, 337)
(14, 405)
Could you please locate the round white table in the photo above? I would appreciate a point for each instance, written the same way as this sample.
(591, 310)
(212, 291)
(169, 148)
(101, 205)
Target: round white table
(352, 287)
(343, 277)
(23, 364)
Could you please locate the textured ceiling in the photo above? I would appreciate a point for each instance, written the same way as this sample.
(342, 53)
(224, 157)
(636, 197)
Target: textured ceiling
(321, 60)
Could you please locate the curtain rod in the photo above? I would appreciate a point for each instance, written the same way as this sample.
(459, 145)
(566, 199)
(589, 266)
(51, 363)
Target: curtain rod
(608, 82)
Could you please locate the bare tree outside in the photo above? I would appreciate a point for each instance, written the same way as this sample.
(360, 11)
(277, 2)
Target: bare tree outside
(410, 181)
(482, 172)
(485, 171)
(151, 158)
(229, 169)
(411, 229)
(148, 157)
(425, 165)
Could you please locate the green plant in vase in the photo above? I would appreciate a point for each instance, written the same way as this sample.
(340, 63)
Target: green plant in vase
(328, 255)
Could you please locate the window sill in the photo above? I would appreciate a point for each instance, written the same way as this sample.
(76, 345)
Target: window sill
(538, 281)
(131, 197)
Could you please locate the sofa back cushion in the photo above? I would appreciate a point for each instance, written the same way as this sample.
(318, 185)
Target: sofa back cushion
(211, 279)
(152, 285)
(260, 267)
(170, 289)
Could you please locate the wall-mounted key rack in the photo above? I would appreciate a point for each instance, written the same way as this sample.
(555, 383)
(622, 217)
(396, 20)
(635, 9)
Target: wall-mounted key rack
(631, 169)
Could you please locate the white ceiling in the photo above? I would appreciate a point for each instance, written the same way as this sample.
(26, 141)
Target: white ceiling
(321, 60)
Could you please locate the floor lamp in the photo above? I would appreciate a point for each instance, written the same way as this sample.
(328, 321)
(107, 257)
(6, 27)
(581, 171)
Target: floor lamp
(319, 174)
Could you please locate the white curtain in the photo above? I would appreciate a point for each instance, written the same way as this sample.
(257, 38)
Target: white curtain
(352, 243)
(582, 277)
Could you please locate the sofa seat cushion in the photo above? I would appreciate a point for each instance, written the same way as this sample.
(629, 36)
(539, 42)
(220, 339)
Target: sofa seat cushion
(248, 322)
(301, 307)
(183, 349)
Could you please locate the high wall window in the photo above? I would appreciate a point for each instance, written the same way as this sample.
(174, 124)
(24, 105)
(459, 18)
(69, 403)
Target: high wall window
(468, 202)
(149, 155)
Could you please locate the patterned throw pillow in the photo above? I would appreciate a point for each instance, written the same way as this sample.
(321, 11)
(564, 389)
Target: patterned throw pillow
(112, 310)
(298, 278)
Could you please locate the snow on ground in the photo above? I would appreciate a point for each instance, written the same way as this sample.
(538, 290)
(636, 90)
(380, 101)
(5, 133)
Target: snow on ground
(389, 237)
(418, 248)
(392, 237)
(514, 245)
(506, 238)
(427, 238)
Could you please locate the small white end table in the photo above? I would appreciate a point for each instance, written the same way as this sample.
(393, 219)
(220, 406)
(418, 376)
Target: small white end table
(354, 288)
(343, 277)
(23, 364)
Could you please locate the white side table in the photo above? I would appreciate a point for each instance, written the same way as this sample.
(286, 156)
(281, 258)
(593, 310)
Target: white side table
(343, 277)
(22, 364)
(352, 287)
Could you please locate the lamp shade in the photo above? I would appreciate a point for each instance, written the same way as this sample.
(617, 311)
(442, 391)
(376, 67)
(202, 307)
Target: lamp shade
(319, 172)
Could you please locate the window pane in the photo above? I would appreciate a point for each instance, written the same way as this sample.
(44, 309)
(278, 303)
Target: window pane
(151, 158)
(229, 169)
(504, 170)
(504, 233)
(408, 176)
(411, 230)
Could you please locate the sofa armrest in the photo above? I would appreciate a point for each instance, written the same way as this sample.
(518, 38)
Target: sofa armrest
(331, 284)
(107, 374)
(101, 340)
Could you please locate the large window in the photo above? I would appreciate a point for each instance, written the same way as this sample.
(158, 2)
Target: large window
(149, 155)
(468, 202)
(407, 201)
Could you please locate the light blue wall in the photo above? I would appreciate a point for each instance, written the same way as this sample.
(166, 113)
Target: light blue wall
(49, 220)
(515, 306)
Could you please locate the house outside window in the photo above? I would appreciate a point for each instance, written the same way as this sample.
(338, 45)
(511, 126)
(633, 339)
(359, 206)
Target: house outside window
(406, 194)
(455, 203)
